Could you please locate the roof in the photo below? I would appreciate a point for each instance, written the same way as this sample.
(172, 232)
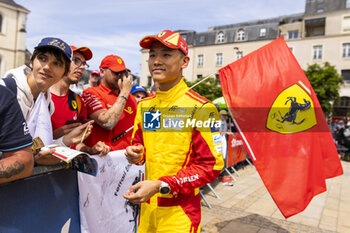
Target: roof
(280, 19)
(251, 29)
(12, 3)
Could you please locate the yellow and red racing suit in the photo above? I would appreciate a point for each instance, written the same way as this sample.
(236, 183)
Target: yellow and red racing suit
(185, 155)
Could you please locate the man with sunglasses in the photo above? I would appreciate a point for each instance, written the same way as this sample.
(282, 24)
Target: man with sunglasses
(70, 111)
(111, 106)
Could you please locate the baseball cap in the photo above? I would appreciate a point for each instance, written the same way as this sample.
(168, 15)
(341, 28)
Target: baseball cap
(114, 63)
(136, 88)
(223, 112)
(84, 50)
(168, 38)
(58, 44)
(96, 72)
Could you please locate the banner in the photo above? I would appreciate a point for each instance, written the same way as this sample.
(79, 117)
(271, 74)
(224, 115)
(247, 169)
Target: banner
(102, 206)
(282, 125)
(235, 150)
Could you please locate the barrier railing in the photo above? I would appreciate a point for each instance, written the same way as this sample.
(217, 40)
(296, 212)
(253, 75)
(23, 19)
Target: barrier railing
(45, 202)
(235, 153)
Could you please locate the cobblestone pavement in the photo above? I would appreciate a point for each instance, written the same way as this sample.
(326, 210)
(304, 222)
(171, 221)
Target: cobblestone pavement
(247, 207)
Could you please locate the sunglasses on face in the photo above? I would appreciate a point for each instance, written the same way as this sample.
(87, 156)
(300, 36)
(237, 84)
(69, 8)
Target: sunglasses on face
(120, 73)
(78, 62)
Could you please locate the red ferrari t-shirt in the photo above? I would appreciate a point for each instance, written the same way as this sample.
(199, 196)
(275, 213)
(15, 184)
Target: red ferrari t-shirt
(64, 112)
(101, 97)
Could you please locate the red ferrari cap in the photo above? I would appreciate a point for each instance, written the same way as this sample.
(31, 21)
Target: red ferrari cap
(114, 63)
(169, 38)
(96, 72)
(84, 50)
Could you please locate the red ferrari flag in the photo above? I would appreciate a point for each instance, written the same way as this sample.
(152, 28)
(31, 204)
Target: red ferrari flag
(282, 124)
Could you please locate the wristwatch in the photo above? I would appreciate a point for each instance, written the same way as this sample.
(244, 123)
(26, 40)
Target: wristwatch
(164, 188)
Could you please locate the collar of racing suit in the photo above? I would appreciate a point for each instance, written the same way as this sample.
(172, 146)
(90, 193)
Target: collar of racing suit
(175, 92)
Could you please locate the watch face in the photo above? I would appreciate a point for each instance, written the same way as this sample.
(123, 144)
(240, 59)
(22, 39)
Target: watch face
(164, 190)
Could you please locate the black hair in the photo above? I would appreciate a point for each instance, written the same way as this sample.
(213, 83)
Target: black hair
(182, 52)
(56, 52)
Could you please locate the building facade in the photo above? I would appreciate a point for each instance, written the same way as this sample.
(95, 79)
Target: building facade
(320, 34)
(13, 19)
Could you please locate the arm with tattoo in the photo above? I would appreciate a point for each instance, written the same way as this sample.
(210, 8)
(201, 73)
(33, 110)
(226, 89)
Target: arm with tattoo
(16, 165)
(107, 119)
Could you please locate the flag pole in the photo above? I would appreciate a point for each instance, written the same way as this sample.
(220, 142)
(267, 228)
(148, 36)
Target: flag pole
(206, 77)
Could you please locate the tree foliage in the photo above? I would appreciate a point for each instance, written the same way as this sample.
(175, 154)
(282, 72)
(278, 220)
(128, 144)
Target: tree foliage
(325, 81)
(208, 88)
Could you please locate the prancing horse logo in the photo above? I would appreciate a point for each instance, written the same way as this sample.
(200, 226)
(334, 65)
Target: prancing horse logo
(292, 111)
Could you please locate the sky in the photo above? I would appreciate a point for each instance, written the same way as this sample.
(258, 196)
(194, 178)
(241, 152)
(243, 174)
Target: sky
(116, 26)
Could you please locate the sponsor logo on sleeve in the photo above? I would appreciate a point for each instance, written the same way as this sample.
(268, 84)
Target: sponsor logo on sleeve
(216, 139)
(218, 149)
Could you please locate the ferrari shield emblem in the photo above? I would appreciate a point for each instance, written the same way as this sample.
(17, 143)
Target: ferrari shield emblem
(292, 111)
(74, 104)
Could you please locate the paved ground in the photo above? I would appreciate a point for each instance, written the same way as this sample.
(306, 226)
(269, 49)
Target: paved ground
(247, 207)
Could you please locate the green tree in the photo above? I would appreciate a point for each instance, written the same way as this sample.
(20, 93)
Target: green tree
(325, 81)
(209, 88)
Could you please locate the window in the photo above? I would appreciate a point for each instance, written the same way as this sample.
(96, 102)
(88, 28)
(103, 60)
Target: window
(344, 101)
(320, 9)
(320, 6)
(184, 36)
(200, 60)
(293, 34)
(201, 39)
(199, 76)
(240, 34)
(317, 52)
(347, 4)
(0, 23)
(219, 59)
(346, 76)
(346, 50)
(262, 32)
(239, 54)
(221, 37)
(315, 27)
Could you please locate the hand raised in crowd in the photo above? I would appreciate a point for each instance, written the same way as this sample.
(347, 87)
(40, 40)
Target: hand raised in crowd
(76, 135)
(142, 191)
(66, 129)
(134, 153)
(125, 84)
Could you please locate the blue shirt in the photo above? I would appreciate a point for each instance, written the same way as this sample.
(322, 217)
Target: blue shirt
(14, 133)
